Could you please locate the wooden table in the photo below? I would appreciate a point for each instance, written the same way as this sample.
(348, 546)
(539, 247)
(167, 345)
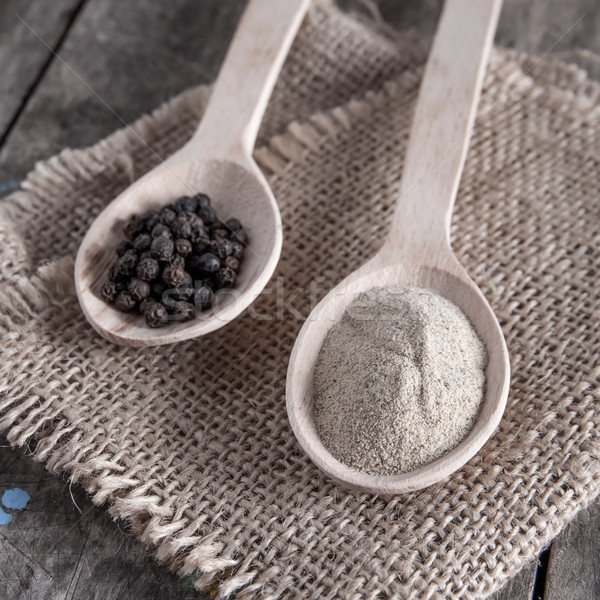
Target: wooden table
(134, 55)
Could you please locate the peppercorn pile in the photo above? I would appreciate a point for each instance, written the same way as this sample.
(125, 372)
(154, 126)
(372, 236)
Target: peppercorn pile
(173, 260)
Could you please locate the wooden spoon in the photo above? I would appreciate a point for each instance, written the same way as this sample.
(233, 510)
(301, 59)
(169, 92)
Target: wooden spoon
(417, 251)
(216, 161)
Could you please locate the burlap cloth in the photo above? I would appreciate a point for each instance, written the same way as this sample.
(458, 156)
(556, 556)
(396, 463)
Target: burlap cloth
(190, 443)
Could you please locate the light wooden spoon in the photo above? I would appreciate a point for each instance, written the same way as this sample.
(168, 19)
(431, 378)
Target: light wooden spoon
(417, 251)
(216, 161)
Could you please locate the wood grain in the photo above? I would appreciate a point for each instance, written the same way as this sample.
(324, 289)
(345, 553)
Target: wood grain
(565, 29)
(574, 566)
(120, 59)
(23, 58)
(64, 547)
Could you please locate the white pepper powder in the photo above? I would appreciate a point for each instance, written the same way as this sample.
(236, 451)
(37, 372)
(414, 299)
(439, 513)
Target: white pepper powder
(399, 381)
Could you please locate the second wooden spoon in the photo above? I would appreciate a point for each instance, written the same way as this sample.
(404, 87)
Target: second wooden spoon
(417, 251)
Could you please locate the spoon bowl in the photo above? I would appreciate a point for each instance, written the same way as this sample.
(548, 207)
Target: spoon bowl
(216, 161)
(236, 191)
(417, 251)
(452, 283)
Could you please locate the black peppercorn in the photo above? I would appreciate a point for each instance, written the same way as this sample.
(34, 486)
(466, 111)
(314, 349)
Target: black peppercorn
(188, 217)
(208, 262)
(109, 291)
(233, 225)
(113, 272)
(220, 233)
(237, 250)
(183, 311)
(145, 303)
(225, 278)
(187, 280)
(156, 315)
(138, 289)
(198, 233)
(177, 261)
(203, 298)
(148, 269)
(181, 292)
(183, 247)
(173, 275)
(207, 214)
(231, 262)
(203, 200)
(150, 219)
(134, 226)
(124, 301)
(142, 242)
(185, 203)
(201, 246)
(125, 265)
(162, 247)
(123, 247)
(160, 229)
(181, 227)
(167, 214)
(222, 248)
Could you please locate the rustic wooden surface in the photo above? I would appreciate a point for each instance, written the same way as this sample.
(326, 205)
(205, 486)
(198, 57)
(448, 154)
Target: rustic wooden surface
(134, 56)
(574, 565)
(23, 59)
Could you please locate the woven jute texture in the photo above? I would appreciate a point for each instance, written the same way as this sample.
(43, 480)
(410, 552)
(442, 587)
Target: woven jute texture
(190, 443)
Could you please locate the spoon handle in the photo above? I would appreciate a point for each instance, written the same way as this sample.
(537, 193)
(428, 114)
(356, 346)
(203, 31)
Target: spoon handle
(441, 129)
(242, 89)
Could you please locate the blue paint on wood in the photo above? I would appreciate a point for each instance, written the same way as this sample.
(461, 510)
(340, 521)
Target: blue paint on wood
(12, 185)
(16, 498)
(5, 518)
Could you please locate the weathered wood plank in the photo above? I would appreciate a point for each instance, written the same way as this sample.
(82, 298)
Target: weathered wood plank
(121, 59)
(109, 51)
(574, 566)
(535, 26)
(550, 26)
(62, 546)
(22, 55)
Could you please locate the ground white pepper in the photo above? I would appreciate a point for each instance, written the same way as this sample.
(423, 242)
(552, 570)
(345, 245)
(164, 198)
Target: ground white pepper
(399, 381)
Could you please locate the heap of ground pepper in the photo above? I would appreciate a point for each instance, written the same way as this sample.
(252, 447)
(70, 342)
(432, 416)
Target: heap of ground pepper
(173, 260)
